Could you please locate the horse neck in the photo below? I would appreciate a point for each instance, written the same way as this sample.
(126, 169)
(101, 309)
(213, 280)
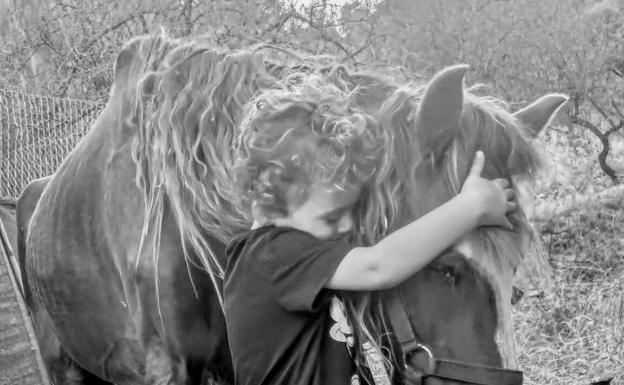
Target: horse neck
(99, 174)
(128, 205)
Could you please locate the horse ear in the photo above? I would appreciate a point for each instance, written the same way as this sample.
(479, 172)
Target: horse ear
(538, 114)
(440, 109)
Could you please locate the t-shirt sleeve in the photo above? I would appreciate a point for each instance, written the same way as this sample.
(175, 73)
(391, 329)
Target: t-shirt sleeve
(299, 265)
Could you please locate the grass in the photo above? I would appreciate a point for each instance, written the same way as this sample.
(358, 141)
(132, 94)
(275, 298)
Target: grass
(575, 333)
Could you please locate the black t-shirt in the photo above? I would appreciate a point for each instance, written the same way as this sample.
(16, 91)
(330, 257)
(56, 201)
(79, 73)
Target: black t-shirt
(278, 313)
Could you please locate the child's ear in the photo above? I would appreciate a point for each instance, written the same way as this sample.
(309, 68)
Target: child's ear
(440, 110)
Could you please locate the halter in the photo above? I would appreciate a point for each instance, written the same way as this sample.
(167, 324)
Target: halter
(422, 367)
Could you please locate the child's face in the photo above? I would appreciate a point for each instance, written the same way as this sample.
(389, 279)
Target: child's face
(327, 212)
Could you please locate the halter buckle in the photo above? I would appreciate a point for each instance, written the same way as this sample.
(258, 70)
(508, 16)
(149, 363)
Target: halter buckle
(412, 347)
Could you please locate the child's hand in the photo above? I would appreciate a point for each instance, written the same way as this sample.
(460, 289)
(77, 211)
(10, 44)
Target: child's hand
(492, 198)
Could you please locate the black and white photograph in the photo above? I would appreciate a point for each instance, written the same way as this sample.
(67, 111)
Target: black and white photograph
(312, 192)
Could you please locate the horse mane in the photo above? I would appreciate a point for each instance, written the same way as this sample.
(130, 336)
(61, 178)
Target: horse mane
(187, 106)
(184, 100)
(186, 109)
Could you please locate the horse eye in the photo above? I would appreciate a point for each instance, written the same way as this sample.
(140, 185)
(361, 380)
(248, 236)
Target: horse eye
(448, 273)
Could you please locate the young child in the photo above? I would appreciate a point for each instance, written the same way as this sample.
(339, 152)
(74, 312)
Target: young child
(304, 156)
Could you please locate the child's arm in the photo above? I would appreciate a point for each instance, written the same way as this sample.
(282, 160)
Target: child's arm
(407, 250)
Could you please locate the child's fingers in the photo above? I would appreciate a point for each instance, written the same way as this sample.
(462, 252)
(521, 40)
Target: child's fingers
(477, 164)
(510, 193)
(510, 206)
(502, 182)
(507, 225)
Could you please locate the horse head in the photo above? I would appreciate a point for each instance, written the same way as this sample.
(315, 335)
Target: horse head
(459, 305)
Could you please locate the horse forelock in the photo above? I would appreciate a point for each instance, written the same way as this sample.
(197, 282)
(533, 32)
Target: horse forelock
(494, 252)
(510, 153)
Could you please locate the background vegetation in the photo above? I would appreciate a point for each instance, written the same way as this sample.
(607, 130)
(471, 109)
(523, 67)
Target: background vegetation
(521, 49)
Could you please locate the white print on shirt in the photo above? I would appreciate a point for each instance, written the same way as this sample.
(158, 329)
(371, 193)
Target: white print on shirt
(341, 331)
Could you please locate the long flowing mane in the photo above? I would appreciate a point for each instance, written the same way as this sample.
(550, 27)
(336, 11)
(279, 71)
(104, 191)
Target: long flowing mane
(187, 107)
(512, 153)
(187, 110)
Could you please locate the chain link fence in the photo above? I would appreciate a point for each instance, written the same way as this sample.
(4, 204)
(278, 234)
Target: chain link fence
(36, 133)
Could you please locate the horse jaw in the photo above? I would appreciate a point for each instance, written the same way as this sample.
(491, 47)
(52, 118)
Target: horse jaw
(538, 114)
(440, 110)
(502, 287)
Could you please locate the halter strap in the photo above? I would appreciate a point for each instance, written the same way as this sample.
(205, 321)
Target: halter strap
(421, 365)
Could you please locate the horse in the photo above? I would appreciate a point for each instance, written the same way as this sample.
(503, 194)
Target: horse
(124, 244)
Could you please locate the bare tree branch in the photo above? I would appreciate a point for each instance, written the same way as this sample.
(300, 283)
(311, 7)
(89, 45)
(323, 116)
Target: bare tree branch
(606, 146)
(600, 110)
(187, 11)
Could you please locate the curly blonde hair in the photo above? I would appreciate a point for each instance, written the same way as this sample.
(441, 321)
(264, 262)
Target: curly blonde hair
(306, 131)
(310, 130)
